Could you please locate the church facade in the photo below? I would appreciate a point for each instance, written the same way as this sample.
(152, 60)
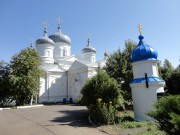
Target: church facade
(65, 73)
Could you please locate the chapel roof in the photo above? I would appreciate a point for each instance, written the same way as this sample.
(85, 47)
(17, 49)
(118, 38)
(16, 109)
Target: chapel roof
(143, 51)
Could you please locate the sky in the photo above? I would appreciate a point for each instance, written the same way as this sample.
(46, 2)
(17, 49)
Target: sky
(110, 23)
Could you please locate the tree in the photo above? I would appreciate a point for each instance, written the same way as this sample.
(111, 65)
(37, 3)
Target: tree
(119, 67)
(170, 76)
(25, 73)
(167, 70)
(175, 82)
(5, 83)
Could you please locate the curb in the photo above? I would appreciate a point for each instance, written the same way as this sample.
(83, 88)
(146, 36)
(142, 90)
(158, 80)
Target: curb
(4, 109)
(22, 107)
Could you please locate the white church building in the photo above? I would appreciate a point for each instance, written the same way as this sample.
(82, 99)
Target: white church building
(65, 73)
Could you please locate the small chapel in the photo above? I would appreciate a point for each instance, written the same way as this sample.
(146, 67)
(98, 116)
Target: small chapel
(65, 73)
(146, 86)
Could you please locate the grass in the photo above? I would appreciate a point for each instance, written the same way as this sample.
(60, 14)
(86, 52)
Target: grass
(128, 126)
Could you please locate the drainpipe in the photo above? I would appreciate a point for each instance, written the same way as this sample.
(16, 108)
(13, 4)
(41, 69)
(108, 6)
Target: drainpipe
(47, 84)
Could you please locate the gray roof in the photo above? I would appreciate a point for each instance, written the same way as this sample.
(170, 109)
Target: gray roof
(60, 37)
(88, 49)
(44, 40)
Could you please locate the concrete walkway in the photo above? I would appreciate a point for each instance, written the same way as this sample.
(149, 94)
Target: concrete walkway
(47, 120)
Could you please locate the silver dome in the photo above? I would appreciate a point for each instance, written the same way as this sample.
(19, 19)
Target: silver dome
(60, 37)
(44, 40)
(88, 48)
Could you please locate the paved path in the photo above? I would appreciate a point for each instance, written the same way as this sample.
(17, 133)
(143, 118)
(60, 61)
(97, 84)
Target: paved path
(47, 120)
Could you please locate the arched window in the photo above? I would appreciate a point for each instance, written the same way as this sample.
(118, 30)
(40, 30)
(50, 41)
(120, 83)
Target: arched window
(48, 53)
(64, 52)
(93, 59)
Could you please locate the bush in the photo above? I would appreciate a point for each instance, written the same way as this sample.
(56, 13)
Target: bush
(167, 113)
(104, 87)
(102, 113)
(102, 96)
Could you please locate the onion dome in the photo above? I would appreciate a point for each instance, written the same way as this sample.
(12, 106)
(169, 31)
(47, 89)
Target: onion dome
(59, 36)
(143, 52)
(45, 39)
(88, 48)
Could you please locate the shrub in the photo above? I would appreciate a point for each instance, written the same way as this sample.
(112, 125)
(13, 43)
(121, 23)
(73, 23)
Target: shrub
(167, 113)
(104, 87)
(102, 96)
(102, 113)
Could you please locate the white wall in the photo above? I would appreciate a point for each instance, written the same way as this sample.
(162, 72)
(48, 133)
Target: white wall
(144, 98)
(149, 67)
(53, 88)
(42, 90)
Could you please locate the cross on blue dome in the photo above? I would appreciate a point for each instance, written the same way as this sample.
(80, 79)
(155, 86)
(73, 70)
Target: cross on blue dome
(143, 52)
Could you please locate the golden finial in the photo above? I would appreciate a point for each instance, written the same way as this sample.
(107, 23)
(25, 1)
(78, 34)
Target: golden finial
(45, 26)
(89, 35)
(140, 28)
(59, 22)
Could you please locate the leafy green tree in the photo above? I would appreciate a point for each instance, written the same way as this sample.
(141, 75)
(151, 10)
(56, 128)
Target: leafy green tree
(167, 113)
(25, 72)
(175, 82)
(119, 67)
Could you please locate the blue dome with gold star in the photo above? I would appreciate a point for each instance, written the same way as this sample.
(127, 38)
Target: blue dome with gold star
(143, 52)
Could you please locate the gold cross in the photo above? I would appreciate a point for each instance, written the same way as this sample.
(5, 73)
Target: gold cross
(89, 35)
(45, 25)
(140, 28)
(59, 21)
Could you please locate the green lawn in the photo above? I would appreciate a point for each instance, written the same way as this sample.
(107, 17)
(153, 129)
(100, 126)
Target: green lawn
(128, 126)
